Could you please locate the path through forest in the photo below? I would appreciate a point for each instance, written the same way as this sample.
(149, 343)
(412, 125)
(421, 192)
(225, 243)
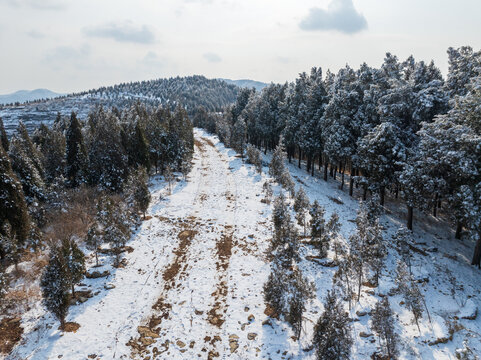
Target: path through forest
(192, 287)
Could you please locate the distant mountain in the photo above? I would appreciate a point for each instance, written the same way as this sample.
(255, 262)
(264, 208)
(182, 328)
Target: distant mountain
(245, 83)
(27, 95)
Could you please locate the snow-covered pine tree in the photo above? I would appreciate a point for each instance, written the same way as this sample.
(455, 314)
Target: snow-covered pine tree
(254, 157)
(115, 225)
(169, 176)
(32, 182)
(380, 154)
(285, 242)
(74, 261)
(14, 208)
(332, 333)
(413, 297)
(317, 224)
(137, 190)
(382, 321)
(462, 68)
(286, 292)
(301, 207)
(52, 147)
(238, 136)
(93, 240)
(3, 136)
(55, 286)
(9, 246)
(3, 285)
(140, 148)
(403, 239)
(341, 121)
(76, 154)
(107, 166)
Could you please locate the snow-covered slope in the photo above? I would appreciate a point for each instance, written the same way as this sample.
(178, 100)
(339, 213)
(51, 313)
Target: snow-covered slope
(245, 83)
(22, 96)
(192, 287)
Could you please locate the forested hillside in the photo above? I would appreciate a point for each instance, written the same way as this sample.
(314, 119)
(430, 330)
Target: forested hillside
(190, 92)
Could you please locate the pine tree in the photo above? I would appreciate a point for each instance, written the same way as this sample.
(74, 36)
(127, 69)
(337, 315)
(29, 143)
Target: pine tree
(115, 225)
(169, 177)
(52, 147)
(287, 292)
(93, 240)
(319, 235)
(3, 136)
(140, 149)
(383, 324)
(3, 285)
(413, 297)
(107, 158)
(9, 246)
(403, 240)
(30, 149)
(74, 261)
(332, 333)
(238, 136)
(55, 286)
(301, 205)
(31, 179)
(14, 208)
(137, 190)
(254, 157)
(76, 154)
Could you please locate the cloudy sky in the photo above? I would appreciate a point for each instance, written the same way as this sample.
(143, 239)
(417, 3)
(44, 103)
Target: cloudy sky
(67, 45)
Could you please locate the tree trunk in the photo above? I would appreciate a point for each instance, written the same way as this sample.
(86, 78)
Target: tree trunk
(73, 290)
(300, 156)
(351, 185)
(331, 171)
(477, 253)
(382, 193)
(309, 159)
(410, 218)
(435, 207)
(325, 171)
(364, 194)
(397, 191)
(312, 166)
(342, 177)
(459, 229)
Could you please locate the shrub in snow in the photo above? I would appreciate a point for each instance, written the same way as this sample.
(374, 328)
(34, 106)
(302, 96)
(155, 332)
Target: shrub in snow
(332, 333)
(267, 191)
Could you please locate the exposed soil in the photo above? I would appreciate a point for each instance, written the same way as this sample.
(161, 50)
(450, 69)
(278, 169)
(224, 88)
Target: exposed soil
(10, 333)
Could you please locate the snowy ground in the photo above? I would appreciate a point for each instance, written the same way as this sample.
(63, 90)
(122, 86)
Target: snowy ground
(192, 287)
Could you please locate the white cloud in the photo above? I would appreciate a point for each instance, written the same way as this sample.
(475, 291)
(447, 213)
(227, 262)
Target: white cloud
(212, 57)
(39, 4)
(122, 32)
(340, 15)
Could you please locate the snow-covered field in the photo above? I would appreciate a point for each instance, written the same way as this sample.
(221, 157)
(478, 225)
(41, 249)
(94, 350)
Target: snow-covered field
(192, 287)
